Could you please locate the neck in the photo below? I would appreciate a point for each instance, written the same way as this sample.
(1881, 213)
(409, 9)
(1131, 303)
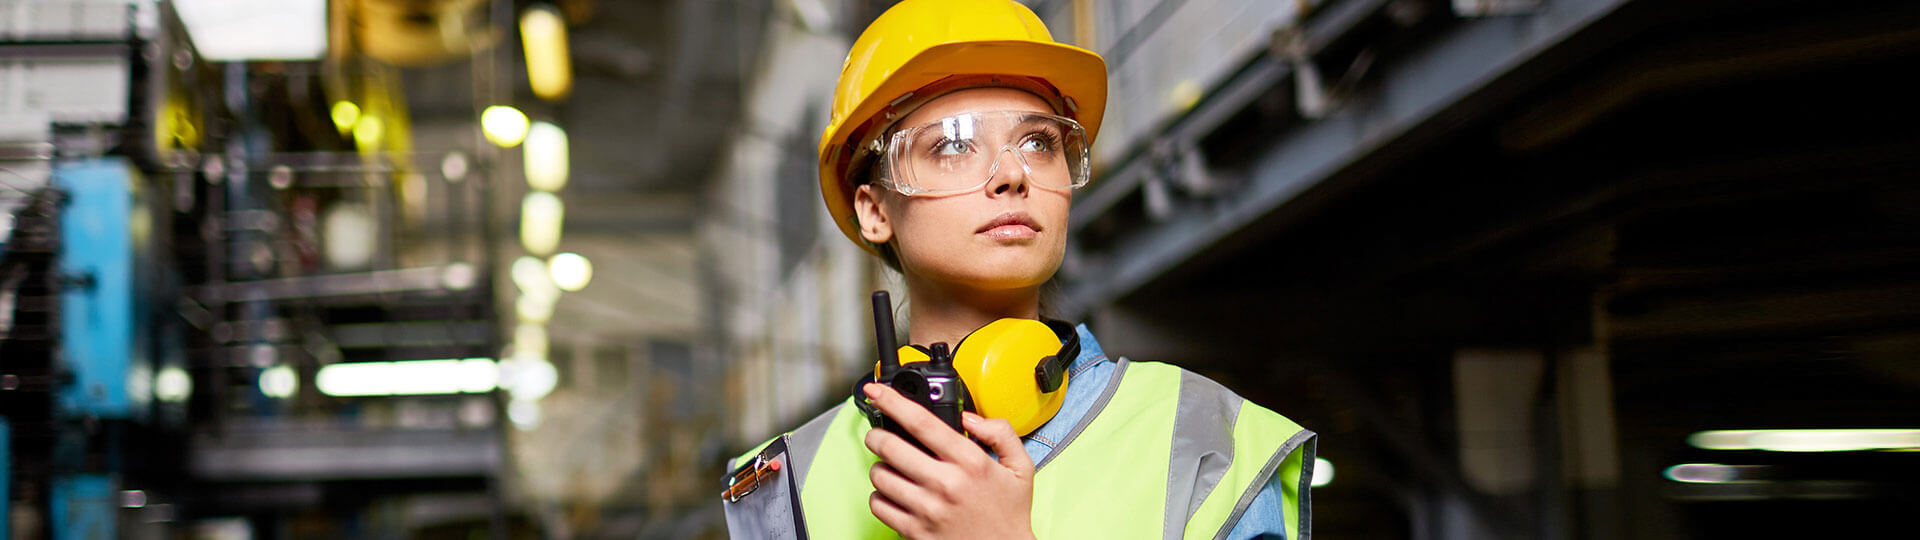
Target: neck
(944, 313)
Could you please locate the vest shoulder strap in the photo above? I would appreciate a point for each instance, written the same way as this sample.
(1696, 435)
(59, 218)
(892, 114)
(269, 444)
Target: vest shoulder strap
(1256, 444)
(1192, 469)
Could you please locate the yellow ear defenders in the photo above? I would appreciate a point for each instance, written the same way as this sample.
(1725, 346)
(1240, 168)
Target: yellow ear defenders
(1012, 369)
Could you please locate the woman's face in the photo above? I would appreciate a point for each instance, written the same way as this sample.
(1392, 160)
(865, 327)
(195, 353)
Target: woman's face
(1007, 234)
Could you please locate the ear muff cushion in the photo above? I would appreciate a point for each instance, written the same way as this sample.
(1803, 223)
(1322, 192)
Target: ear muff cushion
(997, 362)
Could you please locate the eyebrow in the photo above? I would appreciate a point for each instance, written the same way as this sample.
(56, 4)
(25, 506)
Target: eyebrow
(1032, 119)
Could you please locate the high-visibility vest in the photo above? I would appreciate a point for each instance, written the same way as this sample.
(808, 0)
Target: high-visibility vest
(1135, 467)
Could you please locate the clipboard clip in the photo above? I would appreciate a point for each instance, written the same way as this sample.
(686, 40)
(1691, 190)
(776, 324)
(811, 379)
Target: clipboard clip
(747, 479)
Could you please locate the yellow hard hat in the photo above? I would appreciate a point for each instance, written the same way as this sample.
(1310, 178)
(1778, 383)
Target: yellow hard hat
(918, 44)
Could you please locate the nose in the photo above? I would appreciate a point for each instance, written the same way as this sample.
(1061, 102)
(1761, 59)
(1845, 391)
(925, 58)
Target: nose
(1009, 173)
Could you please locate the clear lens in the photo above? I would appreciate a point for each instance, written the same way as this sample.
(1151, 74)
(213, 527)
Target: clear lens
(965, 151)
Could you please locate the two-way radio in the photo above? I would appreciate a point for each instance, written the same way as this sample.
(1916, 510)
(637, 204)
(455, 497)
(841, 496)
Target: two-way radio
(933, 384)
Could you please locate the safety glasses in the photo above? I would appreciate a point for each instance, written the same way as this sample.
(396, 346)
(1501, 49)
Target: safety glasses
(963, 152)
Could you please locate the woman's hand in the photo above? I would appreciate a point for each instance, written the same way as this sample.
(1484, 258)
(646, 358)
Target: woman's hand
(958, 492)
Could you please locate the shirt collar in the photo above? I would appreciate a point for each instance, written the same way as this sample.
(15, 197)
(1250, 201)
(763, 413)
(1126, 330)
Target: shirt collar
(1090, 352)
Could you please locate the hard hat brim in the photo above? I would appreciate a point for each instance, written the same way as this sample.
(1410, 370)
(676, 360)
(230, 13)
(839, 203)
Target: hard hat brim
(1078, 74)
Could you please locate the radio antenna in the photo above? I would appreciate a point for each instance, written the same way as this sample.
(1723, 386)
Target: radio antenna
(883, 334)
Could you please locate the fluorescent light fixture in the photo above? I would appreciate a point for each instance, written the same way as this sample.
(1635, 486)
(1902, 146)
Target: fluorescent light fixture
(345, 114)
(541, 214)
(543, 33)
(242, 30)
(530, 275)
(570, 271)
(1714, 473)
(545, 157)
(529, 377)
(529, 340)
(504, 126)
(525, 414)
(409, 378)
(368, 131)
(1322, 472)
(454, 167)
(535, 309)
(279, 382)
(172, 385)
(348, 235)
(459, 276)
(1807, 440)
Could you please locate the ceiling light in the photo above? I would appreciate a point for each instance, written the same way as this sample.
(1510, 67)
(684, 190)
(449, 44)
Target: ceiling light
(345, 114)
(530, 275)
(1322, 472)
(279, 382)
(348, 235)
(172, 385)
(529, 377)
(1807, 440)
(458, 276)
(570, 271)
(525, 414)
(368, 131)
(504, 126)
(545, 157)
(533, 308)
(529, 339)
(541, 215)
(454, 167)
(415, 377)
(543, 34)
(1714, 473)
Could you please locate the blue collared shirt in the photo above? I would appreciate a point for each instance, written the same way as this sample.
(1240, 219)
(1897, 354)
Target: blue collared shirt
(1087, 378)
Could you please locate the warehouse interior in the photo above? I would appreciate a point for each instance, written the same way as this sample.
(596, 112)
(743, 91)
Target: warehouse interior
(1553, 269)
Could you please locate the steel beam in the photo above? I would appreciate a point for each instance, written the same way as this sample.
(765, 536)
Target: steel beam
(423, 279)
(297, 452)
(1416, 91)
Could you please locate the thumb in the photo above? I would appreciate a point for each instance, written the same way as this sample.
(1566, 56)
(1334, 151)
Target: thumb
(997, 434)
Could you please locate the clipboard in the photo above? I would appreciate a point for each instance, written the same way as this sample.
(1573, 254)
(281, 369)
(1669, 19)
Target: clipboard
(761, 498)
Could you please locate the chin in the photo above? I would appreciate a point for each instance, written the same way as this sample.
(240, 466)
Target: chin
(985, 274)
(995, 268)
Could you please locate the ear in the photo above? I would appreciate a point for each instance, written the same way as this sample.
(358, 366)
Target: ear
(874, 224)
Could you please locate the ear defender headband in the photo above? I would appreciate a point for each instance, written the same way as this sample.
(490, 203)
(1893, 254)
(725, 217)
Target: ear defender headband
(1012, 369)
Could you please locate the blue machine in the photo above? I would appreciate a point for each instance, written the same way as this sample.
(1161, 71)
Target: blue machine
(83, 507)
(97, 303)
(106, 270)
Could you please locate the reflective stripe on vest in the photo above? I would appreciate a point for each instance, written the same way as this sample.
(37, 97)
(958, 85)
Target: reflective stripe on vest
(1133, 468)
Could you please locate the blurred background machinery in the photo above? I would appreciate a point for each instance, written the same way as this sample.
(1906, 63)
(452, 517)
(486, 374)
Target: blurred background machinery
(533, 269)
(194, 245)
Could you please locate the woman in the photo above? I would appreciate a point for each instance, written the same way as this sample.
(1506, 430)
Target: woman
(959, 131)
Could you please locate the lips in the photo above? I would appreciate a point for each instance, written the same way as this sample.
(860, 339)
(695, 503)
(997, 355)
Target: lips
(1010, 218)
(1011, 227)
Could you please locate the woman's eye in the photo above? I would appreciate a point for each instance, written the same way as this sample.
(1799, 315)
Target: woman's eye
(1036, 144)
(952, 147)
